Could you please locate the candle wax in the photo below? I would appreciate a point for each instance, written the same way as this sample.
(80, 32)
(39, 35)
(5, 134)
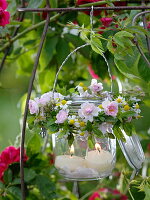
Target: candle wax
(99, 160)
(69, 162)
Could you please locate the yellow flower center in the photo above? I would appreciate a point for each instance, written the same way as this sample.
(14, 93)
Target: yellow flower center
(119, 100)
(100, 106)
(85, 88)
(81, 84)
(126, 107)
(82, 133)
(139, 116)
(63, 102)
(58, 104)
(82, 124)
(71, 121)
(137, 106)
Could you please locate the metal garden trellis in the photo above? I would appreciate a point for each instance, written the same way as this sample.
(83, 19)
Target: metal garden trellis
(47, 9)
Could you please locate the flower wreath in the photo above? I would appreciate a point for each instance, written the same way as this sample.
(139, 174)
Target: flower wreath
(109, 117)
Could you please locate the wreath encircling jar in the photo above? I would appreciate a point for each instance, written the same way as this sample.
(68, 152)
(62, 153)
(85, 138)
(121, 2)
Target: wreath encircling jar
(85, 125)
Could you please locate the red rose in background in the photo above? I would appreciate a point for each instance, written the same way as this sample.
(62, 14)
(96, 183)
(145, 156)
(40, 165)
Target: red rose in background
(148, 25)
(3, 4)
(80, 2)
(8, 156)
(108, 191)
(106, 21)
(4, 15)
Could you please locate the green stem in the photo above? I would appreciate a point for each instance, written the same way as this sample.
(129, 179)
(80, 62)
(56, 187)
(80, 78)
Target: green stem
(27, 31)
(98, 3)
(131, 194)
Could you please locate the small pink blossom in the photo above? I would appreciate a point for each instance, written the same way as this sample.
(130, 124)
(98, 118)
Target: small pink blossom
(95, 87)
(4, 17)
(88, 111)
(33, 107)
(3, 4)
(110, 108)
(61, 116)
(45, 98)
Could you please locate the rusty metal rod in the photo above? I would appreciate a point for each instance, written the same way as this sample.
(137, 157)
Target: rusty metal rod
(27, 103)
(82, 9)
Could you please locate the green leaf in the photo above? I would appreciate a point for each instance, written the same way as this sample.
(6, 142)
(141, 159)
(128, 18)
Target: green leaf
(96, 45)
(70, 139)
(126, 71)
(34, 145)
(76, 41)
(110, 46)
(89, 126)
(147, 192)
(35, 4)
(144, 69)
(45, 186)
(98, 133)
(118, 133)
(8, 176)
(47, 51)
(29, 174)
(12, 7)
(90, 142)
(110, 135)
(124, 34)
(15, 191)
(54, 3)
(31, 121)
(127, 114)
(63, 51)
(128, 127)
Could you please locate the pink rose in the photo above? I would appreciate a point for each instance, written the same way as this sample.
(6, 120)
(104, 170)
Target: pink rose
(3, 4)
(61, 116)
(110, 108)
(45, 98)
(33, 107)
(8, 156)
(95, 87)
(106, 21)
(4, 17)
(88, 111)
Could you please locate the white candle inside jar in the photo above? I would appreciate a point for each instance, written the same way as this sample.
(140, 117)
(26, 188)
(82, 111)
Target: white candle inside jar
(69, 162)
(99, 159)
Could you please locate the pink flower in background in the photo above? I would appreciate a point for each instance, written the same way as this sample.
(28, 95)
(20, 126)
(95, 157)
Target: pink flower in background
(148, 25)
(106, 192)
(92, 73)
(4, 17)
(61, 116)
(106, 21)
(88, 111)
(94, 196)
(110, 107)
(3, 4)
(8, 156)
(96, 87)
(33, 107)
